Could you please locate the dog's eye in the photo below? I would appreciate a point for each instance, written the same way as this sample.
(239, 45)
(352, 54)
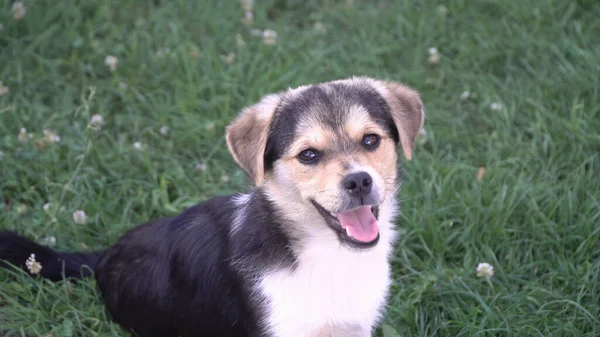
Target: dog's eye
(308, 156)
(370, 141)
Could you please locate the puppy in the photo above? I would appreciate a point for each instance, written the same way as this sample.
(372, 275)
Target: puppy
(304, 253)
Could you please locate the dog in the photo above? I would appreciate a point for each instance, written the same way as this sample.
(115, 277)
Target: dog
(304, 253)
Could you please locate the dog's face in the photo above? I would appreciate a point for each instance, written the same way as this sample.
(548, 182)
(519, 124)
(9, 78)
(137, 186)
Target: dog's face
(330, 149)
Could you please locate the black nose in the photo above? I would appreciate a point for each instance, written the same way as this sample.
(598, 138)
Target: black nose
(358, 184)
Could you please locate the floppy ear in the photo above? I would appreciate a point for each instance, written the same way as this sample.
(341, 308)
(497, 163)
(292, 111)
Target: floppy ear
(247, 136)
(407, 112)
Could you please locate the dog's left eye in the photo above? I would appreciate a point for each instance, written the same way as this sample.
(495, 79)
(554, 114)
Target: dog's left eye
(370, 141)
(308, 156)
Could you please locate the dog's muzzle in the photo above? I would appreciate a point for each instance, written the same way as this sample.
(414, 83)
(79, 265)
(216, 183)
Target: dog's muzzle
(357, 227)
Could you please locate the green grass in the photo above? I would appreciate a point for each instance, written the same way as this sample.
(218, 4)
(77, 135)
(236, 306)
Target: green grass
(535, 215)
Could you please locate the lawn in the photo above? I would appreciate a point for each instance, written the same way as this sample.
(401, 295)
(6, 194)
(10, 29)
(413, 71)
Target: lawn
(507, 172)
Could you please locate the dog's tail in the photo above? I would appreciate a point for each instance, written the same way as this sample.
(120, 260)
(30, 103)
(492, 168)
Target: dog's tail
(17, 250)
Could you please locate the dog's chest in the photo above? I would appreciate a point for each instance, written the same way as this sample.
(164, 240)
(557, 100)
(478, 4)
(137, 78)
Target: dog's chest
(333, 289)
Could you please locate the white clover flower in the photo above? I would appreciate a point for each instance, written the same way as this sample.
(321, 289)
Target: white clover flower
(239, 41)
(49, 241)
(434, 59)
(4, 89)
(434, 56)
(162, 52)
(21, 209)
(496, 106)
(122, 86)
(230, 58)
(485, 270)
(442, 10)
(24, 137)
(201, 167)
(319, 27)
(269, 37)
(18, 10)
(164, 130)
(111, 62)
(465, 95)
(96, 120)
(247, 5)
(137, 145)
(46, 206)
(248, 19)
(225, 178)
(33, 266)
(50, 136)
(79, 217)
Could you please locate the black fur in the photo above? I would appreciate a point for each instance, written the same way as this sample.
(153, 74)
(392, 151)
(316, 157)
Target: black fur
(188, 275)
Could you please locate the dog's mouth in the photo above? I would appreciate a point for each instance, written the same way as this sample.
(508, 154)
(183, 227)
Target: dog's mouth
(357, 227)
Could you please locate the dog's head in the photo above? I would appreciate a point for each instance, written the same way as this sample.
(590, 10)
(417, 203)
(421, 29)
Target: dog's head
(329, 149)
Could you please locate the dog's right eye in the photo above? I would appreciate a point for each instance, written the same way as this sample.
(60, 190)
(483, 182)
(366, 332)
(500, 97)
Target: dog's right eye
(308, 156)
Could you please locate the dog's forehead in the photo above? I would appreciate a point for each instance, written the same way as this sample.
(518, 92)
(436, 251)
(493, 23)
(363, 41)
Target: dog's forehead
(330, 106)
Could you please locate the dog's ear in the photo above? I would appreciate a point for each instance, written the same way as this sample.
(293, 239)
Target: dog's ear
(407, 112)
(247, 136)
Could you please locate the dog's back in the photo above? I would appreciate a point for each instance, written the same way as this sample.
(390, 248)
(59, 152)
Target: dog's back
(171, 277)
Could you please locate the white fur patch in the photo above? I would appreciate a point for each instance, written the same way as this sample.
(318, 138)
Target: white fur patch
(334, 291)
(240, 201)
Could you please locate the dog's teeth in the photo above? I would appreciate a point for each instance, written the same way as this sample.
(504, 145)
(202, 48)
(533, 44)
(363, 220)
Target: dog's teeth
(348, 232)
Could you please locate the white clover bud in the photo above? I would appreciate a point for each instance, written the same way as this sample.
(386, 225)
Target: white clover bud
(201, 167)
(138, 145)
(32, 265)
(111, 62)
(269, 37)
(485, 270)
(96, 121)
(18, 10)
(4, 89)
(80, 217)
(496, 106)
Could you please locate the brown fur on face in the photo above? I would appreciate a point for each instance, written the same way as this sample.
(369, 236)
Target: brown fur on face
(332, 118)
(341, 153)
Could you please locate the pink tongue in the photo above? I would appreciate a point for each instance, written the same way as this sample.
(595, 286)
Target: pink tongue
(360, 222)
